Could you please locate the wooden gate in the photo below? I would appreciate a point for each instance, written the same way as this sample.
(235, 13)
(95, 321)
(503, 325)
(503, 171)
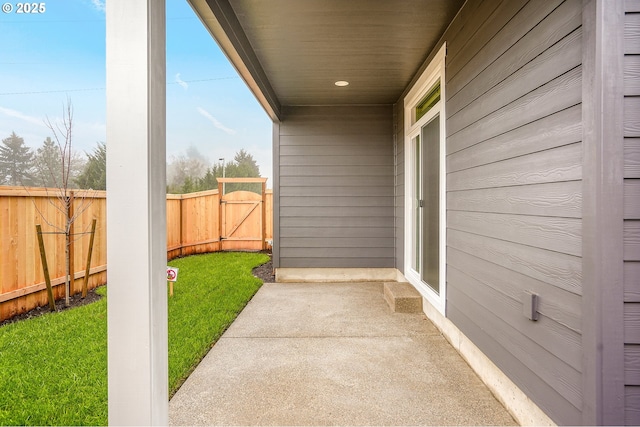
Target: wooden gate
(243, 216)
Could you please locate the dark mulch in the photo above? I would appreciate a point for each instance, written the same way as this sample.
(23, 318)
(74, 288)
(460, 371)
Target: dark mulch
(74, 301)
(265, 271)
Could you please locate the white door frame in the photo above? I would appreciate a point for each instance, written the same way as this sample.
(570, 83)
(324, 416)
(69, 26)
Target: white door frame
(433, 73)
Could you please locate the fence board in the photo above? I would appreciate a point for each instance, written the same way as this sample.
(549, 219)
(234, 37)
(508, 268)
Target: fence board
(192, 227)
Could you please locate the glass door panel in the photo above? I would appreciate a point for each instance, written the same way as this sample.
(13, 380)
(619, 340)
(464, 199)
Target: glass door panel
(416, 214)
(430, 211)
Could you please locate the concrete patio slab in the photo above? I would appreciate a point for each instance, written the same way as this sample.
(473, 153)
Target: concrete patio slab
(332, 354)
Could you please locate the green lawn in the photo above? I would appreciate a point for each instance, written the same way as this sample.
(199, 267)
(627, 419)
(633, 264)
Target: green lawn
(53, 369)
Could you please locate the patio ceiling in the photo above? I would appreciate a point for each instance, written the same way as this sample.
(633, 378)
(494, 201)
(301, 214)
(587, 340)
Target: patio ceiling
(291, 52)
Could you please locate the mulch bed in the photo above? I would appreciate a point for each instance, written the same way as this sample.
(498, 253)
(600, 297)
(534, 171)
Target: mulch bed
(74, 301)
(263, 272)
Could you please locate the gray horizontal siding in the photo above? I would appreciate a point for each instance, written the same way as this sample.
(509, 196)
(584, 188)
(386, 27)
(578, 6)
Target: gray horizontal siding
(335, 150)
(344, 232)
(632, 199)
(499, 39)
(471, 320)
(632, 75)
(631, 114)
(560, 93)
(632, 33)
(337, 211)
(344, 159)
(556, 130)
(550, 233)
(354, 222)
(632, 281)
(557, 165)
(514, 192)
(632, 212)
(560, 270)
(338, 122)
(486, 18)
(336, 171)
(631, 405)
(528, 48)
(632, 323)
(555, 199)
(372, 243)
(351, 191)
(560, 306)
(544, 344)
(556, 61)
(336, 199)
(632, 365)
(313, 181)
(632, 157)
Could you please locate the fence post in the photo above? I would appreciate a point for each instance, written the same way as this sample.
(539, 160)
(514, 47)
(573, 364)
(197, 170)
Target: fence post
(264, 215)
(72, 239)
(220, 213)
(180, 219)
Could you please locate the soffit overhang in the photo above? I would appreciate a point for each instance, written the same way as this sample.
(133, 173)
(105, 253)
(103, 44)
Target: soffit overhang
(291, 52)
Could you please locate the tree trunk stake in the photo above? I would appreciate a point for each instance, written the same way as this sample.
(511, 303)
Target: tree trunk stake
(45, 268)
(86, 272)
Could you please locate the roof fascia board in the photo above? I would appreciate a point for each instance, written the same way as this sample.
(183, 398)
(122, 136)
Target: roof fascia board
(222, 23)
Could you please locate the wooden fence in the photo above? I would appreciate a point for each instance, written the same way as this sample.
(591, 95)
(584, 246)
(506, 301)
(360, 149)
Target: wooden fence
(193, 226)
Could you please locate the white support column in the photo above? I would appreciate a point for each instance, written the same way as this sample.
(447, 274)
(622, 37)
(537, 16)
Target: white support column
(136, 212)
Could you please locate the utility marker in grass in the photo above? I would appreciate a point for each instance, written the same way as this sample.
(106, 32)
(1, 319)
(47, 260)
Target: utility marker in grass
(172, 276)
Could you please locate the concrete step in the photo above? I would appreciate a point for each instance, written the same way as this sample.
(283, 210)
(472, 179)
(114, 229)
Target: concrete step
(402, 297)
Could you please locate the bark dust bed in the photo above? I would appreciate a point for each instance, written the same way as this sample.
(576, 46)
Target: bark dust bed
(74, 301)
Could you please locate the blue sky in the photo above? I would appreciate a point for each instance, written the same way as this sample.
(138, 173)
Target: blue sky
(59, 54)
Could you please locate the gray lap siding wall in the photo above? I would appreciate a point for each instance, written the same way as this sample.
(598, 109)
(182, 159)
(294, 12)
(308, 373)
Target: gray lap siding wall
(336, 187)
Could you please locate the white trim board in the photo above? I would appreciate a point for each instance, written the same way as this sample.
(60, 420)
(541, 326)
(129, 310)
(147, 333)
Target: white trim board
(434, 72)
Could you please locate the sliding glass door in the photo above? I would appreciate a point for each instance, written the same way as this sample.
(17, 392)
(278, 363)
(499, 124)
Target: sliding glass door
(425, 203)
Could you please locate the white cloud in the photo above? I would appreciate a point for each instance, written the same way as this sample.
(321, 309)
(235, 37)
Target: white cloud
(18, 115)
(99, 5)
(181, 82)
(215, 121)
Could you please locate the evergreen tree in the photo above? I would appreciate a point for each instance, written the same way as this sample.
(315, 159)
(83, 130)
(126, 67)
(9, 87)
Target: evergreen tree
(94, 175)
(48, 164)
(208, 181)
(16, 161)
(189, 186)
(50, 169)
(187, 174)
(243, 166)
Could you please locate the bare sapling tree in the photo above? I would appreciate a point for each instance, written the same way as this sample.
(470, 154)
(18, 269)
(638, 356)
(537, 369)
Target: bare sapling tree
(71, 204)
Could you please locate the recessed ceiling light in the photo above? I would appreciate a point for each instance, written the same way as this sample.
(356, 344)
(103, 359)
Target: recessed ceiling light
(342, 83)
